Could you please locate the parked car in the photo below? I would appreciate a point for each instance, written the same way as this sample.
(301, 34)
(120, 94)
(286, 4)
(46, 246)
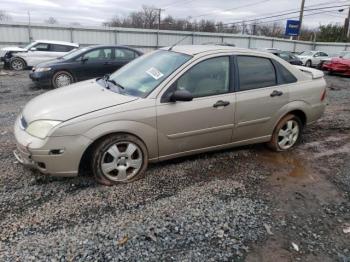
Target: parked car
(85, 63)
(169, 103)
(287, 56)
(331, 56)
(312, 58)
(36, 52)
(338, 65)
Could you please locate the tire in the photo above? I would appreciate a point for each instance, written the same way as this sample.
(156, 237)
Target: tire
(62, 78)
(286, 134)
(308, 63)
(113, 164)
(17, 64)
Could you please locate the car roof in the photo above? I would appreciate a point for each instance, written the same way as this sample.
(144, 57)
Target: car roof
(197, 49)
(109, 46)
(57, 42)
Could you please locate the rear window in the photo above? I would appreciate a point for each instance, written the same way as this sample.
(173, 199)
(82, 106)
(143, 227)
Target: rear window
(284, 76)
(255, 72)
(61, 48)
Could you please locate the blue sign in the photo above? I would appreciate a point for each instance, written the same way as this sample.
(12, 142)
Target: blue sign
(293, 27)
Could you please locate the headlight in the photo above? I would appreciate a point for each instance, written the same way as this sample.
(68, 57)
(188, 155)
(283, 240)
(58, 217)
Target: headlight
(42, 69)
(41, 128)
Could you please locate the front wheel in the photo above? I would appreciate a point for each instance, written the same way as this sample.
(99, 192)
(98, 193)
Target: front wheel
(286, 134)
(17, 64)
(119, 158)
(62, 78)
(308, 63)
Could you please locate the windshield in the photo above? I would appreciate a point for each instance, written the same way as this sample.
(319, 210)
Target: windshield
(74, 53)
(145, 73)
(307, 53)
(29, 45)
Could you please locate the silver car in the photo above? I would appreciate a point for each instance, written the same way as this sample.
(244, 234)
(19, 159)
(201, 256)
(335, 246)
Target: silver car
(172, 102)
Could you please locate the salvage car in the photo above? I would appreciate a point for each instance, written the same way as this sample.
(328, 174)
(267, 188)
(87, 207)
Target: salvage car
(340, 54)
(18, 58)
(82, 64)
(172, 102)
(312, 58)
(338, 65)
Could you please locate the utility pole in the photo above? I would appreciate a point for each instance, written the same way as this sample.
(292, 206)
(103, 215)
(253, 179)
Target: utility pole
(29, 28)
(346, 25)
(159, 16)
(301, 16)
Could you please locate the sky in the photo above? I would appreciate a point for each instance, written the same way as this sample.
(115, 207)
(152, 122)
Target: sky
(95, 12)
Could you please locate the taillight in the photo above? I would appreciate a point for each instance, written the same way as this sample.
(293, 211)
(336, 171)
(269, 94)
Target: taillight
(323, 96)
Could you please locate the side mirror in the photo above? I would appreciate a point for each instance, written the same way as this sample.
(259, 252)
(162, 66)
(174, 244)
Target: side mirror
(83, 59)
(181, 95)
(32, 49)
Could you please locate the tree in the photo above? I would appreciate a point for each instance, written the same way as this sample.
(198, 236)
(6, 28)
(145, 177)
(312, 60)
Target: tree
(4, 16)
(51, 21)
(331, 33)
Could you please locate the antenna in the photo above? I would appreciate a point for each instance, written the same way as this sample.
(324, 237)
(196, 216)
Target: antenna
(170, 48)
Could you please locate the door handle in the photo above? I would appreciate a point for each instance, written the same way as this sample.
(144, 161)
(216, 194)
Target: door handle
(107, 63)
(276, 93)
(221, 103)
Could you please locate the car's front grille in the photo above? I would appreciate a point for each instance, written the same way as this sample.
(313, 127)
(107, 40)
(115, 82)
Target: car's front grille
(23, 122)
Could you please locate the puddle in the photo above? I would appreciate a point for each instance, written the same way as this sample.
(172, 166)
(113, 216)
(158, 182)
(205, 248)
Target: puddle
(294, 166)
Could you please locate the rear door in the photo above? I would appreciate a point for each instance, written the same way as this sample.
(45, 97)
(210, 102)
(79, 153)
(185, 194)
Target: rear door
(122, 56)
(263, 89)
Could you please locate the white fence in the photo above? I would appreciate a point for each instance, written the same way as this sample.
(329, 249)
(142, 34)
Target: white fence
(146, 40)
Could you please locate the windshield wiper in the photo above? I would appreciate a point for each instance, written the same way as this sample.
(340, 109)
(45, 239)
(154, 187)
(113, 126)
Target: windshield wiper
(106, 81)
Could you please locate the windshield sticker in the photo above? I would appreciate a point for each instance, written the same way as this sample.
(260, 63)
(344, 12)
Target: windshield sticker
(155, 73)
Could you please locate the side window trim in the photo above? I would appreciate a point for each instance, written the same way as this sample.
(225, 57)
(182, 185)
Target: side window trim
(277, 66)
(237, 89)
(231, 85)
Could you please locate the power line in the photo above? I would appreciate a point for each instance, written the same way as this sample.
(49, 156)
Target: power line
(234, 8)
(178, 2)
(284, 14)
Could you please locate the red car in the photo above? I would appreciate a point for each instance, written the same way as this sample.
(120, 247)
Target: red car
(338, 65)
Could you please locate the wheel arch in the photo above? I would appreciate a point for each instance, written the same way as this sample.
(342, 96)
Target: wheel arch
(88, 151)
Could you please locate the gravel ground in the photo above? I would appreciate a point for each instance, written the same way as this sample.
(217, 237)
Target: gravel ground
(244, 204)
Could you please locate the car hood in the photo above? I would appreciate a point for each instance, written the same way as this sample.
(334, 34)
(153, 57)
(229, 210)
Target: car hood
(50, 63)
(72, 101)
(14, 49)
(303, 57)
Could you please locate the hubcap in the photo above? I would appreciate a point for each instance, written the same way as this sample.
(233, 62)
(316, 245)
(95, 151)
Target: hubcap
(63, 80)
(121, 161)
(288, 134)
(17, 64)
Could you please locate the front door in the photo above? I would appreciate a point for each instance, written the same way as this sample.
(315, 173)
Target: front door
(95, 63)
(204, 122)
(260, 96)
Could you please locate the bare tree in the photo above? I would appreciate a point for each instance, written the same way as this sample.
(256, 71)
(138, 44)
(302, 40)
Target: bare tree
(4, 16)
(51, 21)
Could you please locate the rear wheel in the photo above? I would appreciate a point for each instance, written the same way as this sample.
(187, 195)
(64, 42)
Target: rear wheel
(17, 64)
(119, 158)
(286, 134)
(62, 78)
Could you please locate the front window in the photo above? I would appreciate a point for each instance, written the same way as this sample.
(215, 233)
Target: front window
(74, 53)
(142, 75)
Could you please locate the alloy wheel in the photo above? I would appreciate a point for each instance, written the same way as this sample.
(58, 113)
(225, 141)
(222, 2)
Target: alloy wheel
(121, 161)
(17, 65)
(288, 134)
